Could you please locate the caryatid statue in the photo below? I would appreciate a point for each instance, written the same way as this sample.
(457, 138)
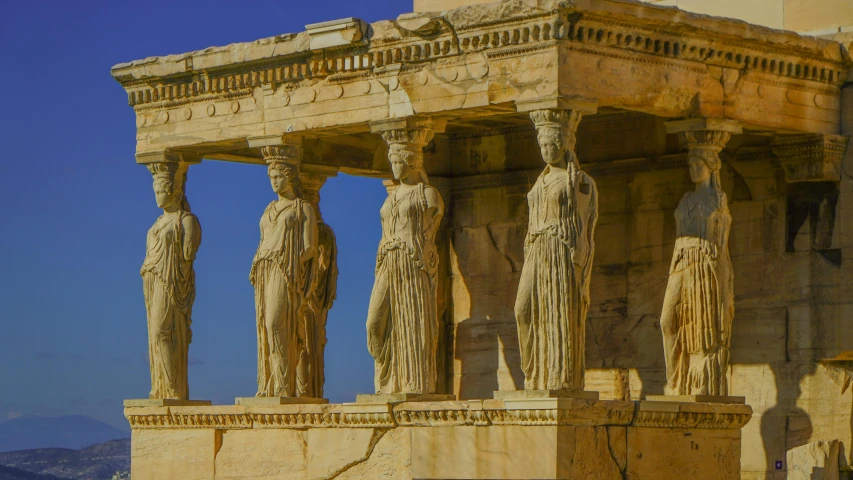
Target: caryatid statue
(323, 293)
(283, 273)
(168, 281)
(698, 306)
(402, 321)
(553, 292)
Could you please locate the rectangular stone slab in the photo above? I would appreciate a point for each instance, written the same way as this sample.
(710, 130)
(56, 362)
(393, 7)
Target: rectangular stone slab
(402, 397)
(696, 398)
(257, 401)
(164, 402)
(528, 394)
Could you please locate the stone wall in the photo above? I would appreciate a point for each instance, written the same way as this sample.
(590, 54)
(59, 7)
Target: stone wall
(792, 294)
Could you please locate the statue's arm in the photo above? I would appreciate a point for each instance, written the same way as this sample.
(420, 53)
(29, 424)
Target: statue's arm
(309, 252)
(192, 236)
(435, 208)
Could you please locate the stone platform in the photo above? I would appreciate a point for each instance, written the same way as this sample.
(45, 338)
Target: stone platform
(538, 438)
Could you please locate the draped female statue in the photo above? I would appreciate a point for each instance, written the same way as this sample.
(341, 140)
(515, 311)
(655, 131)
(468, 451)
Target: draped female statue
(169, 282)
(283, 273)
(553, 292)
(698, 305)
(402, 322)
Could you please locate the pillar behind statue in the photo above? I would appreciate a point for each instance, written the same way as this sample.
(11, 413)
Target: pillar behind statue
(553, 292)
(322, 294)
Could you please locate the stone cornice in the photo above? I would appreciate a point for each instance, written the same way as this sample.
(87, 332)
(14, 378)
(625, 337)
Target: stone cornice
(668, 36)
(569, 412)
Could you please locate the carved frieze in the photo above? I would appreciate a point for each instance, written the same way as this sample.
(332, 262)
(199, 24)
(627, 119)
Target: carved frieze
(810, 158)
(444, 414)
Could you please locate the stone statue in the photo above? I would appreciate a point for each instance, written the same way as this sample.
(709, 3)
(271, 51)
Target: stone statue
(402, 322)
(168, 281)
(553, 292)
(698, 306)
(283, 272)
(325, 288)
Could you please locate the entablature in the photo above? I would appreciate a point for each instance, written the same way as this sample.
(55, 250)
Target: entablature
(622, 55)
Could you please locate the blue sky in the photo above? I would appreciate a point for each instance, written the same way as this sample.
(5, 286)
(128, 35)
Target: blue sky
(75, 209)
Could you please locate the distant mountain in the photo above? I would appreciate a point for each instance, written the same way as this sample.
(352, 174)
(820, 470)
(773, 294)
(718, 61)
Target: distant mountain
(98, 462)
(72, 431)
(9, 473)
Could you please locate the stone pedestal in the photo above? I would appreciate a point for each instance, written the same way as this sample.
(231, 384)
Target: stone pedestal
(164, 402)
(402, 397)
(545, 438)
(696, 399)
(258, 401)
(532, 394)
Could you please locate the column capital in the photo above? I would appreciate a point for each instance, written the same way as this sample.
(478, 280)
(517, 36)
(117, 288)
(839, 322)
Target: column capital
(810, 157)
(278, 148)
(411, 131)
(583, 106)
(704, 133)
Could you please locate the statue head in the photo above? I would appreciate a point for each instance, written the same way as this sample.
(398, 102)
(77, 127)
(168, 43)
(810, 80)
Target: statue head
(405, 162)
(284, 179)
(405, 153)
(283, 168)
(169, 185)
(556, 135)
(556, 145)
(703, 157)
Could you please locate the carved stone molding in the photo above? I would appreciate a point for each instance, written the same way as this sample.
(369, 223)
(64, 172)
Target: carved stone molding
(443, 414)
(810, 158)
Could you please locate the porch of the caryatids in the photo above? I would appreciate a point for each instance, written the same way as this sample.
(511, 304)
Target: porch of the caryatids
(168, 280)
(284, 274)
(402, 320)
(698, 307)
(553, 293)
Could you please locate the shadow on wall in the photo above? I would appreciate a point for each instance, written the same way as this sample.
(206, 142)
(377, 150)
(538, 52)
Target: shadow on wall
(485, 263)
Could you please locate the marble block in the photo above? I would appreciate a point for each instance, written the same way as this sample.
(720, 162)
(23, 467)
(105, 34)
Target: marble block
(528, 394)
(256, 401)
(696, 398)
(164, 402)
(402, 397)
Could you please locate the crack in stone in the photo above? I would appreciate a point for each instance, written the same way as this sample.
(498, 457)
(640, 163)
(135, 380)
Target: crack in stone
(622, 471)
(374, 439)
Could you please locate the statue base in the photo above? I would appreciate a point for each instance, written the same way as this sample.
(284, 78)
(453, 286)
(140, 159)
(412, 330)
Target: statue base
(697, 399)
(164, 402)
(531, 394)
(541, 438)
(402, 397)
(257, 401)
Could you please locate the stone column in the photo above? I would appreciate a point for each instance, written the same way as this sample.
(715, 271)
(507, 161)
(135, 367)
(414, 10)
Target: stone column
(553, 292)
(696, 319)
(169, 281)
(322, 295)
(402, 322)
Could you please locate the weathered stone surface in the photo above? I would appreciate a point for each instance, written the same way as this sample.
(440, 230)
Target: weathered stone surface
(174, 454)
(331, 452)
(260, 454)
(704, 454)
(556, 438)
(814, 461)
